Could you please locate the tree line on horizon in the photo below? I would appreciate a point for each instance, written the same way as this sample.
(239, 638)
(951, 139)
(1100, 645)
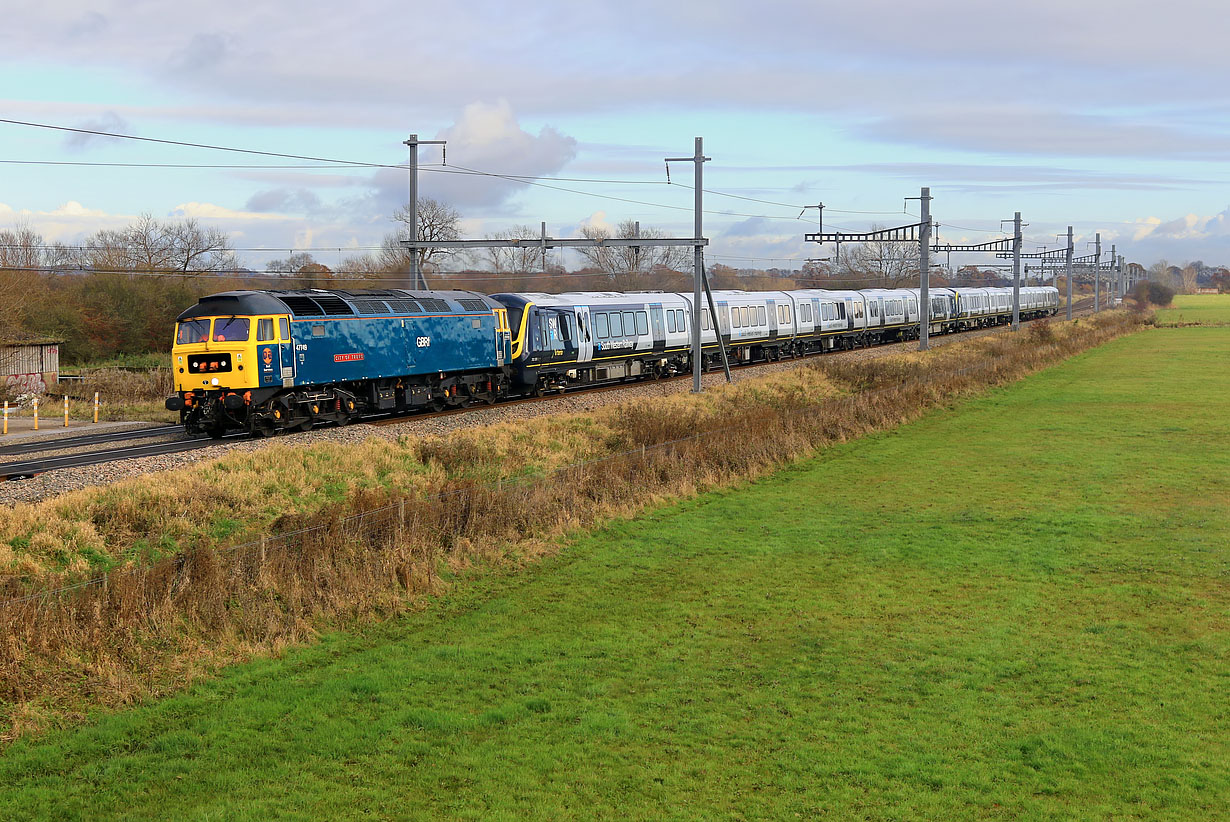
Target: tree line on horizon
(118, 292)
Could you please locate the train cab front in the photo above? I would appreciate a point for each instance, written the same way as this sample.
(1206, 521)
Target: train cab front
(217, 362)
(213, 363)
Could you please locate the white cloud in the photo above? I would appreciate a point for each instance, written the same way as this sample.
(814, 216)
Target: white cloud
(485, 138)
(210, 211)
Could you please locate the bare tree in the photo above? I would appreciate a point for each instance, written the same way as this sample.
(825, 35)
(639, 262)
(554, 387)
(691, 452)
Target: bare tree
(888, 262)
(151, 245)
(22, 258)
(1190, 276)
(518, 259)
(302, 270)
(625, 260)
(436, 221)
(1159, 272)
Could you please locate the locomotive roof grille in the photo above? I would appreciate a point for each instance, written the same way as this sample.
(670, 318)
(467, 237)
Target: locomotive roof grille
(334, 306)
(404, 306)
(432, 304)
(302, 306)
(371, 307)
(473, 305)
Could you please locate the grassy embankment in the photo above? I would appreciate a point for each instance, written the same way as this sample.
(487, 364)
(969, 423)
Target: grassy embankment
(1011, 608)
(1198, 309)
(180, 599)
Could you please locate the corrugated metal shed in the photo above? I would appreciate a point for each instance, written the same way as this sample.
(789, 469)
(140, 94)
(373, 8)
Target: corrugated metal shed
(29, 365)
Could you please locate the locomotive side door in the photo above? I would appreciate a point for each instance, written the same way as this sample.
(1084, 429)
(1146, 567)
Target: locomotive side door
(585, 335)
(286, 355)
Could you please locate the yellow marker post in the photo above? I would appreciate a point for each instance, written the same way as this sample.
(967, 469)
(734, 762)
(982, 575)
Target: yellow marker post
(65, 410)
(95, 406)
(36, 413)
(6, 416)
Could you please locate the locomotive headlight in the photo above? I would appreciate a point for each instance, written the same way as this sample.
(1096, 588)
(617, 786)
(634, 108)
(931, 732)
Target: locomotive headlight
(214, 381)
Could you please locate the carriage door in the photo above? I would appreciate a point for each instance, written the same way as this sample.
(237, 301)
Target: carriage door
(658, 326)
(286, 353)
(585, 335)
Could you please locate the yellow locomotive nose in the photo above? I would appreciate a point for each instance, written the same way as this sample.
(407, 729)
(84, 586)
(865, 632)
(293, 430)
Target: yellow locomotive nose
(211, 352)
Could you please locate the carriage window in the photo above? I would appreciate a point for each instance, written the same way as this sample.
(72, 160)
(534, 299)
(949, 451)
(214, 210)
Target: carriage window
(617, 324)
(705, 323)
(604, 329)
(683, 320)
(642, 323)
(629, 323)
(670, 321)
(744, 318)
(760, 314)
(841, 311)
(565, 327)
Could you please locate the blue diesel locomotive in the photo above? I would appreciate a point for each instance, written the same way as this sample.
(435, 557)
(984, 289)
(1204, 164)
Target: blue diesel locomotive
(268, 361)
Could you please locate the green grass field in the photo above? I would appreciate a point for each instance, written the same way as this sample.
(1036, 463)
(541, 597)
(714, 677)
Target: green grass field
(1012, 609)
(1206, 309)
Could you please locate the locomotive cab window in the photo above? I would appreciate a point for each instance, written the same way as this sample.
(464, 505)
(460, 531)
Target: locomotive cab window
(264, 330)
(284, 328)
(192, 331)
(231, 329)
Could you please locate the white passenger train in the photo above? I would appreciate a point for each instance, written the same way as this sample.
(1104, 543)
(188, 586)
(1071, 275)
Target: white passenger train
(582, 338)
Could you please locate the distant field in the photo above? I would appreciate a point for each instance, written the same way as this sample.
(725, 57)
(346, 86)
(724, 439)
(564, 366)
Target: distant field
(1012, 609)
(1206, 309)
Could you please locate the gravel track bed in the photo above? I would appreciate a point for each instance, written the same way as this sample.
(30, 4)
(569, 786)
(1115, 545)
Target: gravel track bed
(53, 483)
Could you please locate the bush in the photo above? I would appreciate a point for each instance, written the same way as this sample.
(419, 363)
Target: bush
(1151, 293)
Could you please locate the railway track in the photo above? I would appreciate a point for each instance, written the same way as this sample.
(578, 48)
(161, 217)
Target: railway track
(28, 468)
(86, 440)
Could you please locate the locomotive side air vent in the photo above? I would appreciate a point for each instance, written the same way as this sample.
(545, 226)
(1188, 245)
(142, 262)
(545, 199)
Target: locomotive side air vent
(303, 306)
(334, 306)
(432, 304)
(474, 305)
(371, 307)
(404, 306)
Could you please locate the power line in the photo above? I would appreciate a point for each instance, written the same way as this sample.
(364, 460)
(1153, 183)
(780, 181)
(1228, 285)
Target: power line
(207, 146)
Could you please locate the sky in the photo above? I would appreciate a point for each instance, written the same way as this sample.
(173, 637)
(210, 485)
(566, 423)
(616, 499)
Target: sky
(1112, 117)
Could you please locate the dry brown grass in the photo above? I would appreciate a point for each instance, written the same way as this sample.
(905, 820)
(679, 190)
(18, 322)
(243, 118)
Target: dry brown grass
(365, 530)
